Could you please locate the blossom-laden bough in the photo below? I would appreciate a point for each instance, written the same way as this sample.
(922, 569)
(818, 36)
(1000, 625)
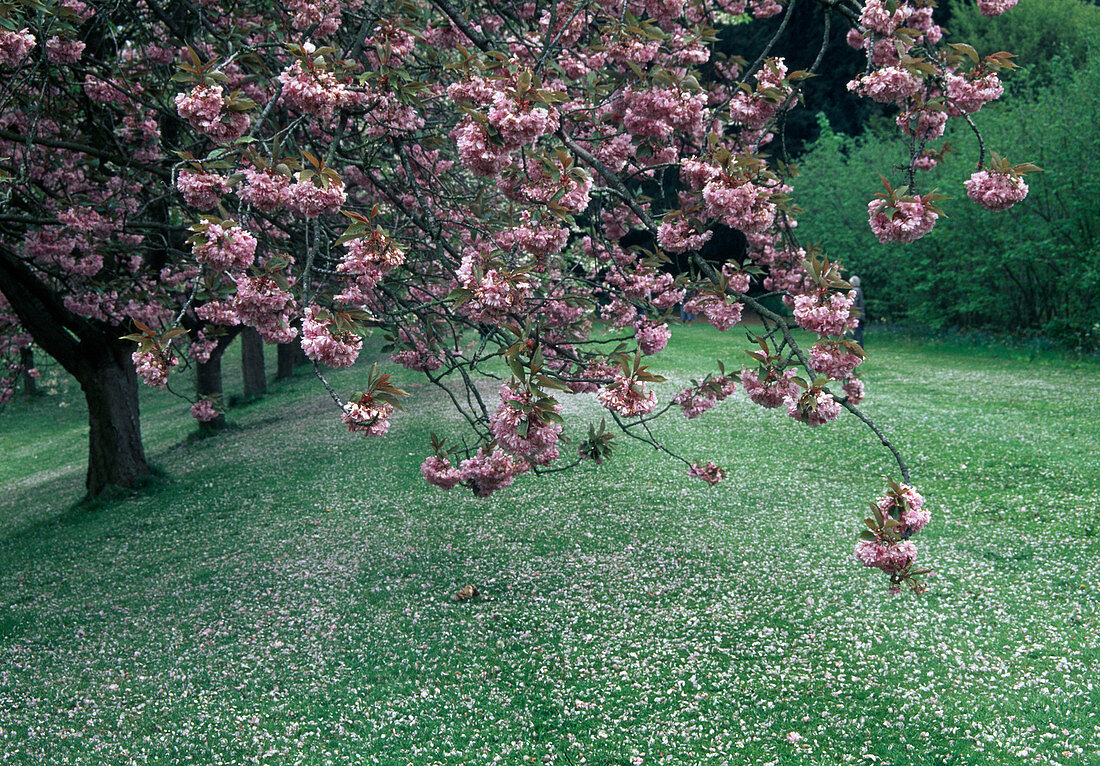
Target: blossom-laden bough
(522, 186)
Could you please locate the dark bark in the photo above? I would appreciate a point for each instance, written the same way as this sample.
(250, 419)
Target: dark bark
(26, 361)
(208, 380)
(93, 354)
(252, 363)
(116, 457)
(290, 357)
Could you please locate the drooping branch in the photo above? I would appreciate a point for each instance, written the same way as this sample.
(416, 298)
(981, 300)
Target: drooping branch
(784, 327)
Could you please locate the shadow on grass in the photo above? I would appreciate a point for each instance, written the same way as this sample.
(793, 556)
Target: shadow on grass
(88, 509)
(146, 486)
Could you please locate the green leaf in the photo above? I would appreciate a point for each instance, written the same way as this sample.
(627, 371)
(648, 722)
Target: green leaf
(517, 368)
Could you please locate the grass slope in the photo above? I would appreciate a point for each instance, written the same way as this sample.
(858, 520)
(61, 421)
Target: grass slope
(284, 598)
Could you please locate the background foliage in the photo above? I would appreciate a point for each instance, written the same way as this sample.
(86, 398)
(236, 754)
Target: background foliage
(1032, 270)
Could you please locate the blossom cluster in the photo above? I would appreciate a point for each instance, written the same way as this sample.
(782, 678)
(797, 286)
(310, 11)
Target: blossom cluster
(224, 246)
(260, 302)
(824, 312)
(201, 190)
(490, 469)
(996, 191)
(698, 399)
(314, 90)
(833, 360)
(204, 410)
(14, 46)
(814, 407)
(323, 343)
(206, 108)
(900, 221)
(368, 416)
(526, 434)
(768, 386)
(886, 545)
(720, 311)
(153, 365)
(627, 397)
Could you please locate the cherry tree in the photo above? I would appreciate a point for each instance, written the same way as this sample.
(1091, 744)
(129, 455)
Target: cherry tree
(526, 187)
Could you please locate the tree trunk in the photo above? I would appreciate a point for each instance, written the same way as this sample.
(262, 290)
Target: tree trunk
(208, 383)
(91, 353)
(291, 356)
(116, 457)
(26, 361)
(252, 363)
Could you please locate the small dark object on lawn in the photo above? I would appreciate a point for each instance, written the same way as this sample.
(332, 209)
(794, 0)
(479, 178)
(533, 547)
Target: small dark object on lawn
(465, 594)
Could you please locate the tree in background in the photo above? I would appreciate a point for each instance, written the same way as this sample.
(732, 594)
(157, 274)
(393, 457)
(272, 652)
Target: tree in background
(467, 179)
(1033, 270)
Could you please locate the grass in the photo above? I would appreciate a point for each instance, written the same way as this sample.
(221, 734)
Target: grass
(285, 597)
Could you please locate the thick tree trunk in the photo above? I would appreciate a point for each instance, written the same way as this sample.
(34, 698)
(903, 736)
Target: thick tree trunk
(26, 361)
(116, 457)
(91, 353)
(252, 363)
(291, 357)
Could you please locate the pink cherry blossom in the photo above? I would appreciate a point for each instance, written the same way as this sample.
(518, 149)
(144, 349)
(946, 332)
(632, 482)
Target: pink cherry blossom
(853, 389)
(770, 391)
(889, 557)
(204, 106)
(368, 416)
(489, 471)
(628, 398)
(323, 343)
(996, 191)
(263, 189)
(966, 95)
(739, 204)
(201, 190)
(814, 407)
(824, 312)
(309, 200)
(538, 443)
(62, 51)
(224, 247)
(900, 221)
(651, 337)
(833, 360)
(14, 46)
(678, 236)
(438, 471)
(995, 7)
(153, 366)
(204, 411)
(888, 85)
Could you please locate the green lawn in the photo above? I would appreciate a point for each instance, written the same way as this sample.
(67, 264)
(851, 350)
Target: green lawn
(285, 597)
